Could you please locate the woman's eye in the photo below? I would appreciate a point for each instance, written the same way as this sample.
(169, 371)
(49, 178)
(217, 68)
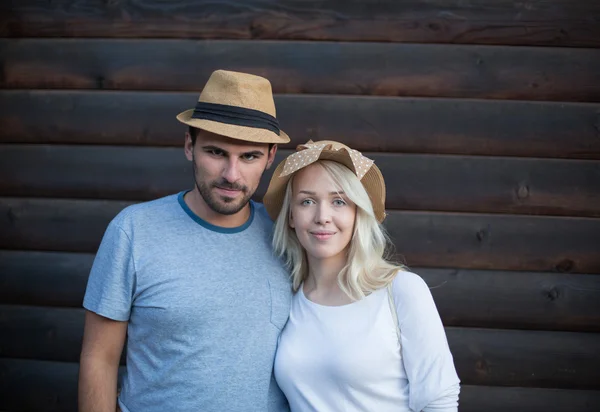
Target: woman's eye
(307, 202)
(339, 202)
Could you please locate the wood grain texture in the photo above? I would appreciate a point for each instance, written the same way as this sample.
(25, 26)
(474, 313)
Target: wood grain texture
(432, 239)
(482, 356)
(515, 300)
(39, 386)
(440, 126)
(416, 182)
(47, 386)
(494, 357)
(473, 298)
(43, 278)
(552, 22)
(385, 69)
(499, 399)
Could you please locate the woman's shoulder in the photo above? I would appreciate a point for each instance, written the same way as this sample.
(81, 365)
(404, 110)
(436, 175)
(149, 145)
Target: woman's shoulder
(409, 285)
(407, 278)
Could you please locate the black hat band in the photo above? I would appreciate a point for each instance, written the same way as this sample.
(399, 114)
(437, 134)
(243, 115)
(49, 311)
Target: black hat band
(236, 115)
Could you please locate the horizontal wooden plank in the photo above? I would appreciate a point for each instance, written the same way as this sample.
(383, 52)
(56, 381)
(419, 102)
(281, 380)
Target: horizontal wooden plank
(39, 386)
(551, 22)
(46, 386)
(499, 399)
(432, 239)
(497, 357)
(440, 126)
(474, 298)
(515, 300)
(482, 356)
(43, 278)
(41, 333)
(385, 69)
(417, 182)
(55, 225)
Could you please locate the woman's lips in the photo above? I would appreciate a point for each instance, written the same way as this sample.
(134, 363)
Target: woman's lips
(322, 235)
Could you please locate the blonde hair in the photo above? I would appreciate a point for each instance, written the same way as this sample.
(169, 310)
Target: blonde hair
(367, 268)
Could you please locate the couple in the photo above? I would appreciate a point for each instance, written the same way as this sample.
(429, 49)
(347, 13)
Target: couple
(216, 321)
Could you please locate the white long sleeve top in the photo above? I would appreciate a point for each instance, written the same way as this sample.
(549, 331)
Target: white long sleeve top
(348, 358)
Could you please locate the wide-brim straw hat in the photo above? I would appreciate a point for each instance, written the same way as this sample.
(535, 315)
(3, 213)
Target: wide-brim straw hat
(236, 105)
(364, 168)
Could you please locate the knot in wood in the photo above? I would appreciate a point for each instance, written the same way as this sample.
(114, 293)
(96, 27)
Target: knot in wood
(482, 235)
(12, 216)
(523, 191)
(552, 294)
(100, 82)
(434, 26)
(482, 367)
(565, 265)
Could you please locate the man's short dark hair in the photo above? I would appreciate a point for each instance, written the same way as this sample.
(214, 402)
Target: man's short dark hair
(193, 131)
(193, 134)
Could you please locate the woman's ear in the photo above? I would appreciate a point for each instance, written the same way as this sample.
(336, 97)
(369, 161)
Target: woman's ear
(291, 220)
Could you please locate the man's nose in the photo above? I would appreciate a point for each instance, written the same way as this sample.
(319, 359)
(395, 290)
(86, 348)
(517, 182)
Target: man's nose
(232, 171)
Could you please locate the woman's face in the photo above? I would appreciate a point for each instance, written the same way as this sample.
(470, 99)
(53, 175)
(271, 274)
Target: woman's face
(321, 214)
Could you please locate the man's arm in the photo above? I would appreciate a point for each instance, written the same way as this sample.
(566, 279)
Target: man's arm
(103, 341)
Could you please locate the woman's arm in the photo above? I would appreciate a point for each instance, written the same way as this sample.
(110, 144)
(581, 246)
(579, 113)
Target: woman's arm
(433, 382)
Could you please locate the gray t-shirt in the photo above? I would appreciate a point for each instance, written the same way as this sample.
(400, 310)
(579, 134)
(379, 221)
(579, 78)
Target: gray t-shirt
(205, 307)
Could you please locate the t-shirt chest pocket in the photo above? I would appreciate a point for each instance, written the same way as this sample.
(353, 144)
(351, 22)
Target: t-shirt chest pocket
(280, 298)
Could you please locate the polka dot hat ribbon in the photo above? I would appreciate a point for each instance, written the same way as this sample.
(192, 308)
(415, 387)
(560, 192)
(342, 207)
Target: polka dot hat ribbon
(310, 152)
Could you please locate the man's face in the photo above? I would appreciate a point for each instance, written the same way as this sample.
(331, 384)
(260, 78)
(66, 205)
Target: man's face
(227, 171)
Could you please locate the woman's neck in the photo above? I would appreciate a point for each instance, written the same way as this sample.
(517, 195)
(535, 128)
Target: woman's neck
(321, 285)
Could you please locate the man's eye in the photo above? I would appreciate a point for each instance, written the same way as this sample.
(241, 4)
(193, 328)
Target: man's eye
(249, 157)
(216, 152)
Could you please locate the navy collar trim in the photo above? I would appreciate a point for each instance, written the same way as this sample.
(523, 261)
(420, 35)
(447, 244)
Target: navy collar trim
(210, 226)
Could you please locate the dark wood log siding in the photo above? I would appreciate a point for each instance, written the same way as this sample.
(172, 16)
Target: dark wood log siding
(477, 241)
(491, 357)
(491, 155)
(37, 385)
(552, 22)
(509, 300)
(407, 125)
(302, 67)
(421, 182)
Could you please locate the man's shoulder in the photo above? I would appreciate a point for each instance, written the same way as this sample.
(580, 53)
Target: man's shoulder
(145, 210)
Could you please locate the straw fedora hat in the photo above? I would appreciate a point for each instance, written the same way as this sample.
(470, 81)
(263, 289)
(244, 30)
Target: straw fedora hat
(364, 168)
(236, 105)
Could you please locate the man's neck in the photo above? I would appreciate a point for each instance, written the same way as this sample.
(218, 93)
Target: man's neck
(197, 205)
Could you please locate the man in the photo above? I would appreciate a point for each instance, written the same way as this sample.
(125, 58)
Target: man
(190, 279)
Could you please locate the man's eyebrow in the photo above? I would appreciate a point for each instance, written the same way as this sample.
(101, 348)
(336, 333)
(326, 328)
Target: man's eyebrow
(255, 153)
(211, 147)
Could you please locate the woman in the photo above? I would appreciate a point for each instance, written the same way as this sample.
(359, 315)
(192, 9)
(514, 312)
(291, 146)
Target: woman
(363, 333)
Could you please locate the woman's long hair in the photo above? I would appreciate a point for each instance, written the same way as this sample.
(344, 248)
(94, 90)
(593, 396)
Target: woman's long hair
(367, 268)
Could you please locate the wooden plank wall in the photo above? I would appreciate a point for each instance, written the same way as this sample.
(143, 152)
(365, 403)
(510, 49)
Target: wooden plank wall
(484, 116)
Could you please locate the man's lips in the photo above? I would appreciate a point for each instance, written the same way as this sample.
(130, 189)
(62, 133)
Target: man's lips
(228, 191)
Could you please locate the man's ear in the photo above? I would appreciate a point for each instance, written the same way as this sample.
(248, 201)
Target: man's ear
(188, 147)
(271, 157)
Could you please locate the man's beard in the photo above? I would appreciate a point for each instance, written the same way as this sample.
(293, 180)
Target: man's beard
(220, 204)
